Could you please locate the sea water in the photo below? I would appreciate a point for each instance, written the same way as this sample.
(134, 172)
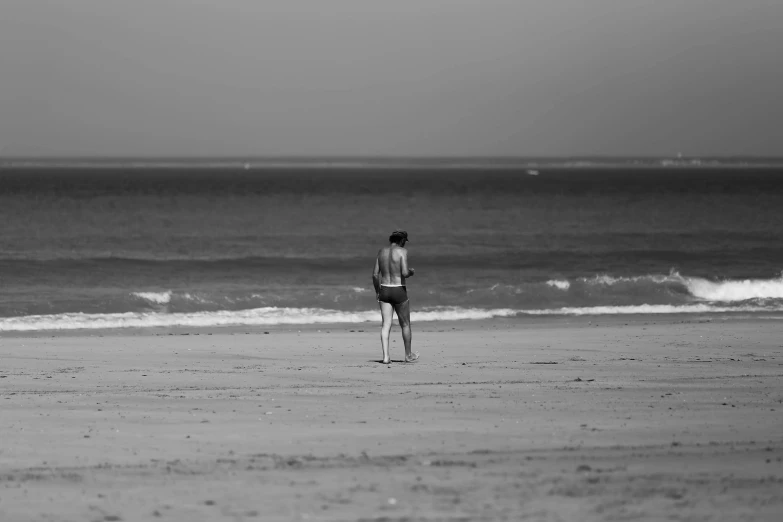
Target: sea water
(140, 246)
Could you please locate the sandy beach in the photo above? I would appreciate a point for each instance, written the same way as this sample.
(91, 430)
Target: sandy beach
(643, 418)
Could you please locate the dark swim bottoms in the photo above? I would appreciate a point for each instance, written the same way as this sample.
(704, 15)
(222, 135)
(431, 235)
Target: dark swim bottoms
(394, 295)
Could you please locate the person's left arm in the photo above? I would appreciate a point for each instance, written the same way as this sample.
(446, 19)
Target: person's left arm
(405, 270)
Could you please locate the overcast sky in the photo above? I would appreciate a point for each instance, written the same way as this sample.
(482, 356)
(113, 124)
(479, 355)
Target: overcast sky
(383, 77)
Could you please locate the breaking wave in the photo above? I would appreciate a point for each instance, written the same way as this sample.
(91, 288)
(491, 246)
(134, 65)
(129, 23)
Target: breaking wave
(733, 291)
(727, 291)
(154, 297)
(602, 294)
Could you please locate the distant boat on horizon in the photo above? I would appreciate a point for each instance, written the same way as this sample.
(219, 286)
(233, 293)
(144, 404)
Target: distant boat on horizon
(532, 172)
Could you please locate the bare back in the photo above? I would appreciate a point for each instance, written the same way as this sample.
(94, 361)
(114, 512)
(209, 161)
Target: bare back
(391, 264)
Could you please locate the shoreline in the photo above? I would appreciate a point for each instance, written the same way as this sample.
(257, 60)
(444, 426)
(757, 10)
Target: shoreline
(521, 321)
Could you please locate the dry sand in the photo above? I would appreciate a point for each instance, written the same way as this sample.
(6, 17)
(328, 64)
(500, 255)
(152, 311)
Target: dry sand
(647, 418)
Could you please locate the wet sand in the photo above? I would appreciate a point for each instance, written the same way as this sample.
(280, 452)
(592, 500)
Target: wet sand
(643, 418)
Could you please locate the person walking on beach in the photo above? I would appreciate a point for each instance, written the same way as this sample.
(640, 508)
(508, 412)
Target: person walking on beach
(388, 277)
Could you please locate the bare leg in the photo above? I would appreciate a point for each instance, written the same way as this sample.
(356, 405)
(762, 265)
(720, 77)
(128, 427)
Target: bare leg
(404, 315)
(386, 313)
(406, 338)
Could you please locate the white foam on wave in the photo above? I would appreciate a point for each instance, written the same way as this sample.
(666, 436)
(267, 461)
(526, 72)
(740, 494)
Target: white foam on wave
(736, 290)
(195, 298)
(559, 284)
(254, 317)
(701, 308)
(607, 280)
(292, 316)
(457, 314)
(727, 291)
(155, 297)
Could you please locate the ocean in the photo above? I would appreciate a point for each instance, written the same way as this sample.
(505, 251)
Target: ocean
(144, 246)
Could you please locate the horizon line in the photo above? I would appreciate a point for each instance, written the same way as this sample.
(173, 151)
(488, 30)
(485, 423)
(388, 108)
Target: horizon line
(332, 157)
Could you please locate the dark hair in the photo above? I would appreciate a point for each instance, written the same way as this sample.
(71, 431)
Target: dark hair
(397, 238)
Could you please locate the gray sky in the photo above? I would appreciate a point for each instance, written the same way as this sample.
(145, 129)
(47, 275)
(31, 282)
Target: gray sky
(381, 77)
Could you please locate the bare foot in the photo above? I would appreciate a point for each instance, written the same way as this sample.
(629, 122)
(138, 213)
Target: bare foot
(412, 358)
(385, 361)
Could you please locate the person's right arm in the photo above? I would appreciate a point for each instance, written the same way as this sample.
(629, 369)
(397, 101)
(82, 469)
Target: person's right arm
(376, 276)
